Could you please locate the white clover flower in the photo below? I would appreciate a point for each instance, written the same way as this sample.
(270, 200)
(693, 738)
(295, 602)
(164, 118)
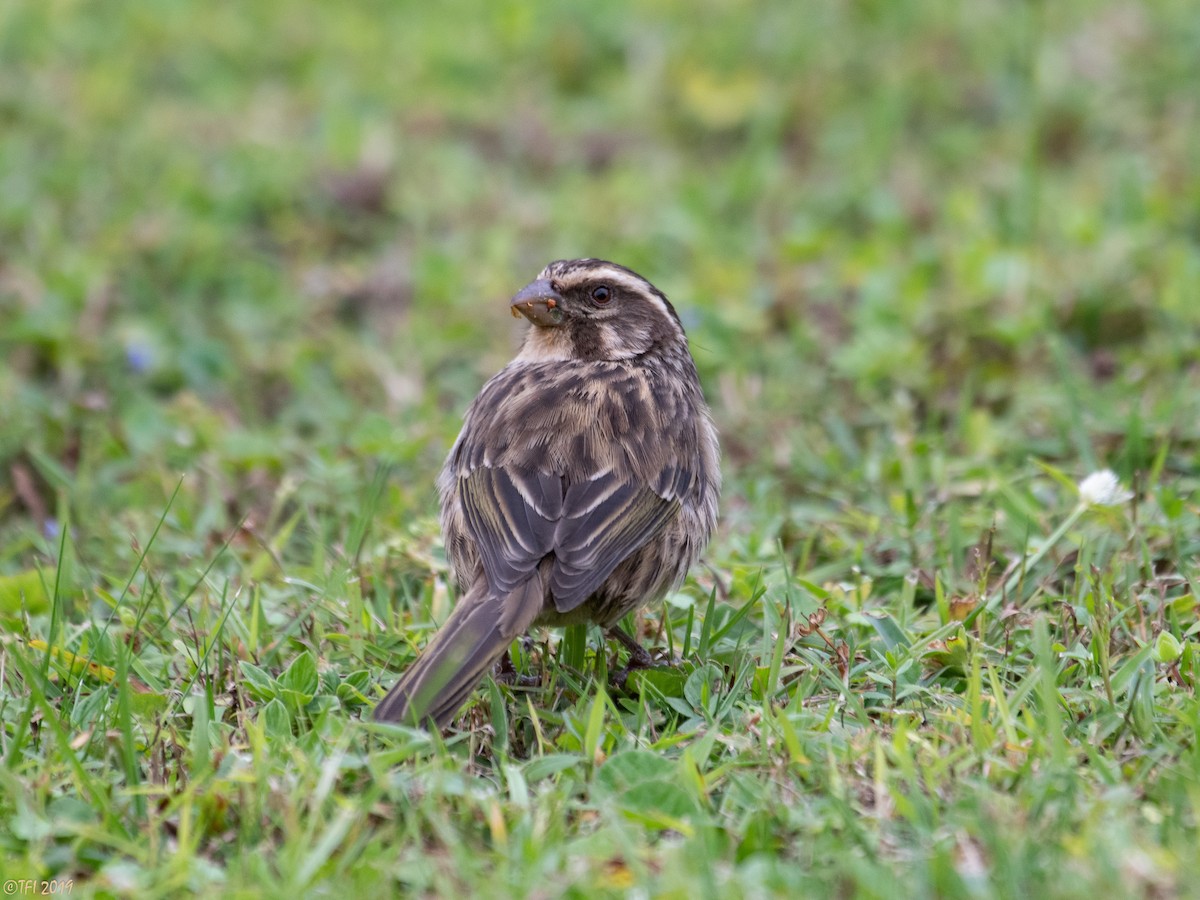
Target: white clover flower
(1102, 489)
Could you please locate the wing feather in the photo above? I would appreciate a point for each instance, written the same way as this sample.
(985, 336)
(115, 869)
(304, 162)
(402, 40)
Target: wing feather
(518, 518)
(512, 535)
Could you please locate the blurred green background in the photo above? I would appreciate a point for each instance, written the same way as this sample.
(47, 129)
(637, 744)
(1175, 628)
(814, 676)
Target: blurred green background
(937, 262)
(277, 238)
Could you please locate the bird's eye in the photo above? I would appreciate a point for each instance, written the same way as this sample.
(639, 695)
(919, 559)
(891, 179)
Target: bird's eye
(601, 294)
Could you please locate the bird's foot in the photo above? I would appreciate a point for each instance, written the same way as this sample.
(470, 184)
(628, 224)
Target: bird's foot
(639, 657)
(506, 673)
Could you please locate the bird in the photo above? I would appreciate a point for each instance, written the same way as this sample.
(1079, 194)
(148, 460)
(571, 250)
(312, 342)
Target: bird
(584, 483)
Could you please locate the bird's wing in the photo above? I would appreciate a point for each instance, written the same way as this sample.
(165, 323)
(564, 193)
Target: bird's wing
(604, 521)
(512, 515)
(517, 518)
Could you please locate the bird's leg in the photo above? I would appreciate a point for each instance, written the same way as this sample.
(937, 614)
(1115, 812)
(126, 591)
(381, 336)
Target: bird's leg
(639, 657)
(506, 673)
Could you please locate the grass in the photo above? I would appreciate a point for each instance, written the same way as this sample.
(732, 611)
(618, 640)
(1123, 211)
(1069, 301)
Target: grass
(938, 264)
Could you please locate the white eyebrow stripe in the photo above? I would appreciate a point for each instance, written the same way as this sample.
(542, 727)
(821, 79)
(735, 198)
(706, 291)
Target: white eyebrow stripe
(599, 273)
(614, 277)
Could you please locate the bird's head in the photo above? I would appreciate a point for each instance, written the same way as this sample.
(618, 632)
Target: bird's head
(591, 309)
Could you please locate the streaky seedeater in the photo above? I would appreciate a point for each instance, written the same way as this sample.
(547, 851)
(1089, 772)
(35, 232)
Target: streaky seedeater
(584, 483)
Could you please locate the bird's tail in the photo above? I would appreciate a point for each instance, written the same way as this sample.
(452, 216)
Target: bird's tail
(479, 630)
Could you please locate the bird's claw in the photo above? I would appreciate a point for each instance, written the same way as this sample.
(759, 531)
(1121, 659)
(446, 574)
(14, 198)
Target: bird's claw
(506, 673)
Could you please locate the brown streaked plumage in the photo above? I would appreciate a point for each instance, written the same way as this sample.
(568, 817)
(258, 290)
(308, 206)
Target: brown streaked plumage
(584, 482)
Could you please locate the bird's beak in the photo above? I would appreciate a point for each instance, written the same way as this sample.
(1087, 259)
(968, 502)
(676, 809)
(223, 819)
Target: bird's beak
(539, 303)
